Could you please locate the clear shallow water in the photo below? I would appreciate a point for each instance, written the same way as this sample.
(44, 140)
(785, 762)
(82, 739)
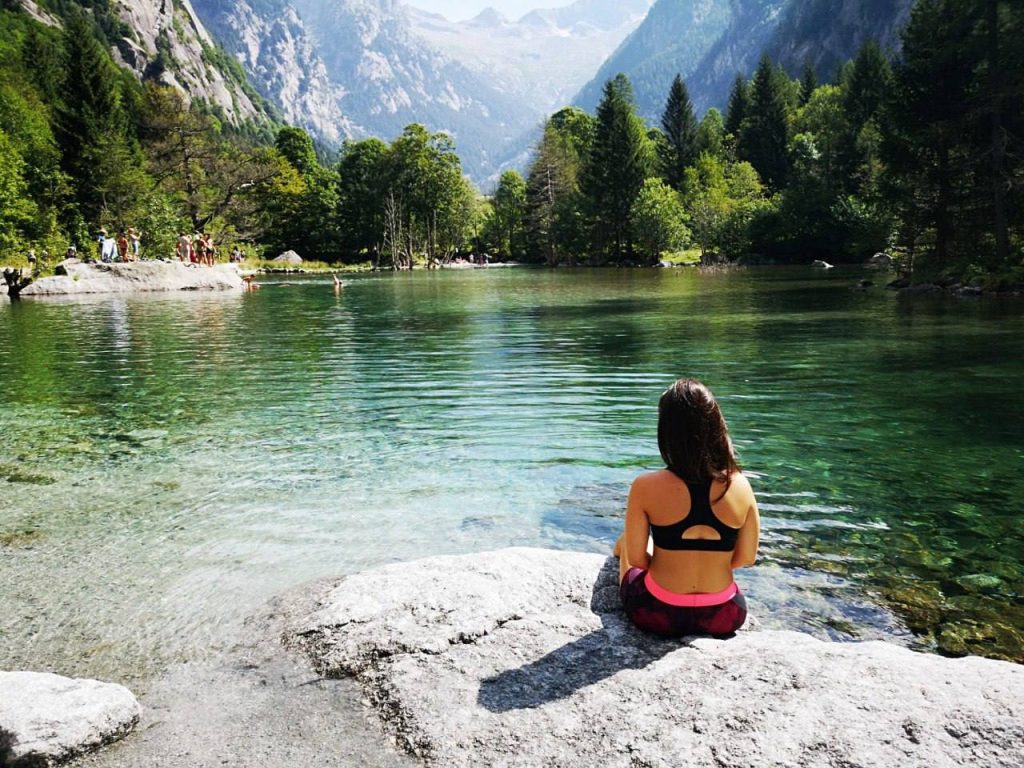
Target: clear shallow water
(169, 463)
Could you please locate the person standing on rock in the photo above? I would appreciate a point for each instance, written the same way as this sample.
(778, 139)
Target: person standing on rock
(135, 240)
(702, 516)
(211, 249)
(101, 242)
(109, 247)
(184, 247)
(122, 247)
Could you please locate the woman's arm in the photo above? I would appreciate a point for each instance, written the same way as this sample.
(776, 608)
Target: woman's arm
(637, 528)
(745, 554)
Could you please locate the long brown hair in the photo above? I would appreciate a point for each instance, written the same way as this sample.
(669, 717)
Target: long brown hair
(692, 434)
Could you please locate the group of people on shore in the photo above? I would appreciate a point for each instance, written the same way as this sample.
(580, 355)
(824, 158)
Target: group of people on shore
(125, 247)
(198, 249)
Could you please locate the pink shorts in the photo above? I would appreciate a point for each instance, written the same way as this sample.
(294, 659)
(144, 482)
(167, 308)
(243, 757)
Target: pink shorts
(661, 612)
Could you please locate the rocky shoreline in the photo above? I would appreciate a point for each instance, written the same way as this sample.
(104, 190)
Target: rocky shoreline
(523, 658)
(75, 278)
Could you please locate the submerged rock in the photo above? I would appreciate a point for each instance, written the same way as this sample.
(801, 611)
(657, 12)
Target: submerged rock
(47, 719)
(138, 277)
(524, 658)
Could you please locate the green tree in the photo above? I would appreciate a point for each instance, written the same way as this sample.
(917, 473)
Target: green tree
(711, 134)
(16, 208)
(555, 225)
(679, 126)
(658, 221)
(722, 201)
(764, 134)
(808, 84)
(867, 85)
(619, 163)
(509, 215)
(739, 102)
(928, 122)
(296, 146)
(362, 190)
(304, 215)
(429, 203)
(92, 127)
(208, 177)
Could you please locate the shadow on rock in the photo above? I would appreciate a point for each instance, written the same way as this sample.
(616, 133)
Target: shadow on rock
(615, 647)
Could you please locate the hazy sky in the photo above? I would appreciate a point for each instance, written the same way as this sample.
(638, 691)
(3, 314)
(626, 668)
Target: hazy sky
(467, 9)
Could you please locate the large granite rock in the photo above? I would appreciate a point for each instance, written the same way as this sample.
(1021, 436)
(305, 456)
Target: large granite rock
(523, 658)
(290, 258)
(138, 277)
(47, 719)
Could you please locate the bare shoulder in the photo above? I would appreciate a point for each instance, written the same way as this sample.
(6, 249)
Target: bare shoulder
(650, 480)
(740, 481)
(740, 488)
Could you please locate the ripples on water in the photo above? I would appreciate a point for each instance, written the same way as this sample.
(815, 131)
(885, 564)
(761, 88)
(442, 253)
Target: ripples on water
(172, 462)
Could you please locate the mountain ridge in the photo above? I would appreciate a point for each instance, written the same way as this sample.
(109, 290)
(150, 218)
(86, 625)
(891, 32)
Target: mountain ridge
(735, 34)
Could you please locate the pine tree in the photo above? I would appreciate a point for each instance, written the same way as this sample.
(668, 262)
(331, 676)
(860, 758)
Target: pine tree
(679, 125)
(92, 116)
(808, 82)
(739, 100)
(866, 85)
(619, 163)
(764, 135)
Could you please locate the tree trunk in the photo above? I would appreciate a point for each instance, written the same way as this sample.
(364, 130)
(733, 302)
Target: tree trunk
(16, 281)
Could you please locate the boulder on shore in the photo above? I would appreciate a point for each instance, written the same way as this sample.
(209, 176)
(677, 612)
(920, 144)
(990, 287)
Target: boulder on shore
(47, 719)
(136, 277)
(524, 658)
(288, 257)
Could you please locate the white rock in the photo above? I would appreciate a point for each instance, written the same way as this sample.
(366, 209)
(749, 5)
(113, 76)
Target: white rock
(288, 257)
(524, 658)
(137, 277)
(46, 719)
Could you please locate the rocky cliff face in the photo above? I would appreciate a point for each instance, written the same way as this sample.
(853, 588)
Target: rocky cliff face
(274, 47)
(826, 33)
(165, 40)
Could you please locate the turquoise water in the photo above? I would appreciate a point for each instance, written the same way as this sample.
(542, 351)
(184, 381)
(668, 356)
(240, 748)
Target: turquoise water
(169, 463)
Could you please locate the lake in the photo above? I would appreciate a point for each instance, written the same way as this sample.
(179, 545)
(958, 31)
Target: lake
(169, 463)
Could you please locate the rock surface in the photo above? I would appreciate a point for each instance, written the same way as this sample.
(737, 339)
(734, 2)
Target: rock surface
(523, 658)
(47, 719)
(253, 705)
(288, 257)
(143, 276)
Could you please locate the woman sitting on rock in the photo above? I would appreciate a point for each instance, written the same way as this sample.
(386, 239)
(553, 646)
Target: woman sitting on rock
(702, 516)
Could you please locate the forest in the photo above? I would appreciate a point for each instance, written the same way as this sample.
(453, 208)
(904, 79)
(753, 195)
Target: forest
(920, 155)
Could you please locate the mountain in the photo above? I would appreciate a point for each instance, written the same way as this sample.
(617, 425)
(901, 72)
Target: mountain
(165, 40)
(389, 77)
(543, 58)
(272, 44)
(710, 41)
(675, 37)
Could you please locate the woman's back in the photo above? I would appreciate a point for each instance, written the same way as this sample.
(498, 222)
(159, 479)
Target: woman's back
(690, 530)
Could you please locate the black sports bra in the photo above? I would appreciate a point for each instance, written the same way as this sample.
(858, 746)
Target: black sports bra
(670, 537)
